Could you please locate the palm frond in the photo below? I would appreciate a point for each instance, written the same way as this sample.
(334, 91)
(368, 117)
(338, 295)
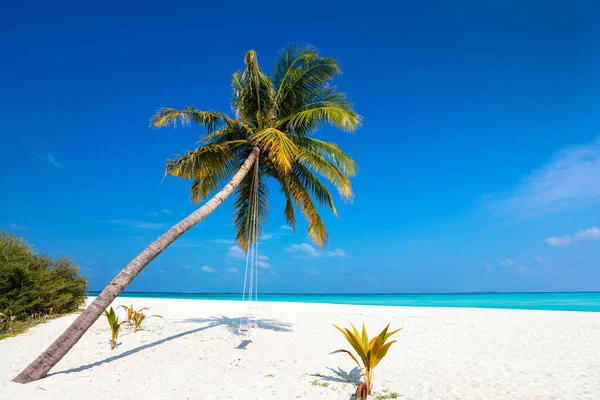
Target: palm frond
(289, 58)
(253, 93)
(209, 120)
(226, 134)
(325, 106)
(327, 169)
(277, 146)
(314, 186)
(329, 151)
(302, 80)
(288, 211)
(317, 232)
(207, 166)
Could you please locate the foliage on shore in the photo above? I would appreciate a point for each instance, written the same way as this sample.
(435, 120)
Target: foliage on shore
(34, 287)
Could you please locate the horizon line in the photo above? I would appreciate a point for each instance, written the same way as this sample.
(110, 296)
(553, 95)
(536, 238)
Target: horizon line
(345, 294)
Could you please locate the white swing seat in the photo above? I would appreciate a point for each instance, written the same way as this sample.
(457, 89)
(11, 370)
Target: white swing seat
(245, 328)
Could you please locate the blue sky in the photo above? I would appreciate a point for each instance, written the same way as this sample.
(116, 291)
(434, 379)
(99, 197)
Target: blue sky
(479, 154)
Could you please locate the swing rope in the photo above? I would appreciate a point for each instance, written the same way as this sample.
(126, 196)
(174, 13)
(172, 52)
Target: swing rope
(250, 291)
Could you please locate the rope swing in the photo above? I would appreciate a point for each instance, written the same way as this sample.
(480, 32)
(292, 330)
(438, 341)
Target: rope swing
(250, 290)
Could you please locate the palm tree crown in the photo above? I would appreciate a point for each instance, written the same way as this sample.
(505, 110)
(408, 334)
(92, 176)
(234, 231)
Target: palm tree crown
(276, 115)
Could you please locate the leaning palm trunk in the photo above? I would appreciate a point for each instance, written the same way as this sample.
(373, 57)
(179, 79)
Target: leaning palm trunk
(40, 367)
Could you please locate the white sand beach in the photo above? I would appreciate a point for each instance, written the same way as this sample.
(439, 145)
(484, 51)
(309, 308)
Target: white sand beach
(195, 353)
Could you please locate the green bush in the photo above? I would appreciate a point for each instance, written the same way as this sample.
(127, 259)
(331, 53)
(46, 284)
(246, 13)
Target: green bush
(33, 285)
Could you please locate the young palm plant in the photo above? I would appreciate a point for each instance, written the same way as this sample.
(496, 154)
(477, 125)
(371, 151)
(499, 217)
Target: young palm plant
(370, 352)
(139, 317)
(269, 136)
(131, 312)
(115, 326)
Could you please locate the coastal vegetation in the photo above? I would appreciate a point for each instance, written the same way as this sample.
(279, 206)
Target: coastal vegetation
(35, 287)
(129, 310)
(270, 136)
(139, 317)
(370, 353)
(136, 316)
(115, 326)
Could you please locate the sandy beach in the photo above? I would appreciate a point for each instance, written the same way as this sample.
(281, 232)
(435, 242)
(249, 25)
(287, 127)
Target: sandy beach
(196, 353)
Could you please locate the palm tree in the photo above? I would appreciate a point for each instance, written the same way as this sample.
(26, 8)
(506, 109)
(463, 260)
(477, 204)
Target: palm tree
(269, 137)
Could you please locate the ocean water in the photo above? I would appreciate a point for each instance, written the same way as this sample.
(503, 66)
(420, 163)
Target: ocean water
(585, 301)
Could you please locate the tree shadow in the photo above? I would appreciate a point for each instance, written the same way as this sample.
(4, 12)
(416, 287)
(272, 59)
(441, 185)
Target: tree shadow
(230, 323)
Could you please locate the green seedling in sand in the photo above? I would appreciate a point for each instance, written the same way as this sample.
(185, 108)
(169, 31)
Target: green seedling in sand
(115, 326)
(139, 317)
(370, 352)
(130, 312)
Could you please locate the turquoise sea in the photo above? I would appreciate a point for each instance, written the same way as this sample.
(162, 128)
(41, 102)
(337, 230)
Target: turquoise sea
(585, 301)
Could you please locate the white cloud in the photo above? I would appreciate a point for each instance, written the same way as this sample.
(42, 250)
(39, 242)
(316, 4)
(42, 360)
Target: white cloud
(512, 265)
(53, 161)
(152, 214)
(235, 252)
(130, 223)
(206, 268)
(592, 233)
(568, 180)
(187, 266)
(507, 262)
(161, 271)
(17, 227)
(486, 266)
(168, 212)
(588, 235)
(263, 257)
(263, 264)
(267, 236)
(49, 158)
(302, 250)
(223, 241)
(232, 270)
(99, 254)
(337, 253)
(541, 260)
(286, 228)
(557, 241)
(305, 250)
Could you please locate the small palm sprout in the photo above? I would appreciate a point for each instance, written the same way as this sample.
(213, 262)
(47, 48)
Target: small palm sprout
(139, 317)
(115, 326)
(130, 312)
(370, 352)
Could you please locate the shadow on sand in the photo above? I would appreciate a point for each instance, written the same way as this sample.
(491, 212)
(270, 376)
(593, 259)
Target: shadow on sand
(340, 376)
(231, 324)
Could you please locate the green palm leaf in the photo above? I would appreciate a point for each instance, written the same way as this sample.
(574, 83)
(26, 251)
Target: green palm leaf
(369, 352)
(210, 120)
